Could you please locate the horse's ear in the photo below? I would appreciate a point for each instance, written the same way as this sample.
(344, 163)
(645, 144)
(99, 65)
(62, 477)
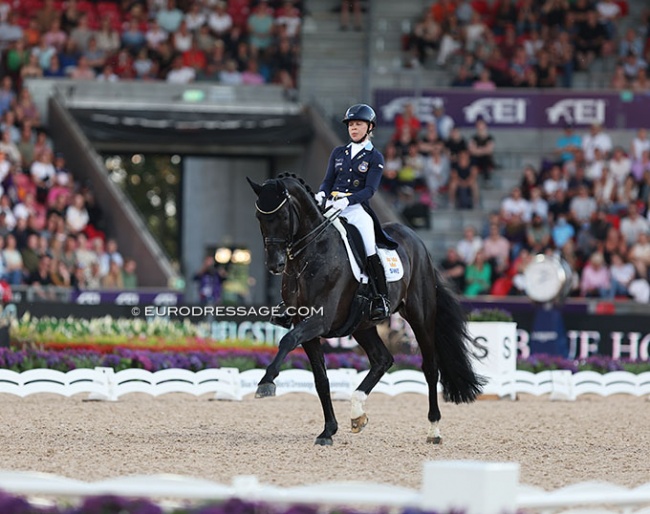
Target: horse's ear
(256, 187)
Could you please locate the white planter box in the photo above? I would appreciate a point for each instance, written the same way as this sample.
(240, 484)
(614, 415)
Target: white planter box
(495, 355)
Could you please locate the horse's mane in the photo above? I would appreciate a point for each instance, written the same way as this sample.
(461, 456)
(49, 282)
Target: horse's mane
(300, 182)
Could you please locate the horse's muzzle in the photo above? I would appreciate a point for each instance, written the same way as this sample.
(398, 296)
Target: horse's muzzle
(275, 268)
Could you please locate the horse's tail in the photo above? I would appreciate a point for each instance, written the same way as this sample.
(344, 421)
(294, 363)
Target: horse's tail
(460, 383)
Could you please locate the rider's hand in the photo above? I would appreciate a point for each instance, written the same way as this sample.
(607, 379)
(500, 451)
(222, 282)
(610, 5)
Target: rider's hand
(341, 204)
(319, 197)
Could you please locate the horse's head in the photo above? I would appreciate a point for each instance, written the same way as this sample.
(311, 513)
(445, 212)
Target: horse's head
(283, 206)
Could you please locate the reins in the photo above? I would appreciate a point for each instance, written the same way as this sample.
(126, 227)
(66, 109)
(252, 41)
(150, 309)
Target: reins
(290, 245)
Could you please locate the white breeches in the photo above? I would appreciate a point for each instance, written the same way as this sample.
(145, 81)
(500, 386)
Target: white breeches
(357, 216)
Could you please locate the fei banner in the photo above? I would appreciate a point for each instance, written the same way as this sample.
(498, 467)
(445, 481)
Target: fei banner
(517, 108)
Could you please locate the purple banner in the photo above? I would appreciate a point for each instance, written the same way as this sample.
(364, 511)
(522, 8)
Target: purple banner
(127, 297)
(516, 108)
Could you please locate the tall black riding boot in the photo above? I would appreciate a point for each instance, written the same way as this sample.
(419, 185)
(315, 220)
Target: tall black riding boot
(380, 304)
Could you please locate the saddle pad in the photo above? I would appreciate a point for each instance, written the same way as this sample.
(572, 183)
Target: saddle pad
(393, 267)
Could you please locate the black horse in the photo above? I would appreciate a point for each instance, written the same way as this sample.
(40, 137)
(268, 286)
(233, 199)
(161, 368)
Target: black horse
(301, 244)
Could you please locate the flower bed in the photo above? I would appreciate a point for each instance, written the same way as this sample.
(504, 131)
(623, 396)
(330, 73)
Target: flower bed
(10, 504)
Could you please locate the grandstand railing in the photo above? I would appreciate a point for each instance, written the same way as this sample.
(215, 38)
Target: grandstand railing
(447, 486)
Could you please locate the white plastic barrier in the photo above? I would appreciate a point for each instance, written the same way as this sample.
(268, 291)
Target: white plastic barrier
(494, 488)
(229, 384)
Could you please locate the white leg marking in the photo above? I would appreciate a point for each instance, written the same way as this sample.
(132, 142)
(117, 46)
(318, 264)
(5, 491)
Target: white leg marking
(356, 403)
(434, 430)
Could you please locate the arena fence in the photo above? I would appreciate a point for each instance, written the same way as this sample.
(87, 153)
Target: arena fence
(494, 487)
(231, 384)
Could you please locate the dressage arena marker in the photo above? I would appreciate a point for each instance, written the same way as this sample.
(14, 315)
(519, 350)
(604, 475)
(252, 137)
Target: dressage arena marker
(494, 486)
(231, 384)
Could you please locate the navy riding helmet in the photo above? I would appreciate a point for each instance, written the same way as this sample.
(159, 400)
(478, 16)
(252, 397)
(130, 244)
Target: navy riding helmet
(361, 112)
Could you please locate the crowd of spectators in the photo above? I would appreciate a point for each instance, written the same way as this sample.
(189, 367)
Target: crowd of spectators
(51, 229)
(426, 162)
(588, 203)
(530, 43)
(247, 42)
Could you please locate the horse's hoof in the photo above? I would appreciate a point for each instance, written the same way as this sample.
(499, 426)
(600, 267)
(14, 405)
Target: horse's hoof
(323, 441)
(434, 440)
(359, 423)
(265, 390)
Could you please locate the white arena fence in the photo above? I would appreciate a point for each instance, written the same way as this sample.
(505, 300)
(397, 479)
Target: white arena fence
(231, 384)
(471, 487)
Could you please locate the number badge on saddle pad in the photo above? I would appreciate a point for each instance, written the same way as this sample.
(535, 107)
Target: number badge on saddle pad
(363, 167)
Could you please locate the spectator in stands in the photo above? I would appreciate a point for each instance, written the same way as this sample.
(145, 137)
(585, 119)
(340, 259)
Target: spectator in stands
(155, 36)
(129, 276)
(430, 140)
(582, 207)
(633, 224)
(469, 245)
(392, 165)
(515, 205)
(8, 146)
(71, 16)
(55, 37)
(260, 28)
(436, 172)
(497, 251)
(538, 234)
(60, 274)
(30, 254)
(463, 183)
(562, 231)
(54, 70)
(108, 40)
(478, 276)
(230, 75)
(76, 216)
(481, 149)
(639, 169)
(219, 21)
(33, 69)
(556, 180)
(95, 56)
(608, 12)
(169, 17)
(113, 279)
(641, 83)
(591, 40)
(251, 75)
(640, 143)
(406, 121)
(632, 65)
(568, 144)
(132, 38)
(640, 255)
(444, 122)
(425, 38)
(537, 203)
(463, 78)
(453, 269)
(17, 56)
(455, 144)
(13, 261)
(622, 274)
(484, 82)
(43, 173)
(182, 38)
(179, 73)
(210, 280)
(82, 33)
(82, 71)
(354, 7)
(288, 21)
(595, 280)
(10, 31)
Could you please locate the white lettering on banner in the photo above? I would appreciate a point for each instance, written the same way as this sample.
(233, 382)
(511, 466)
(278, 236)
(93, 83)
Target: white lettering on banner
(262, 332)
(127, 299)
(580, 343)
(522, 343)
(636, 348)
(89, 298)
(165, 299)
(581, 111)
(423, 107)
(497, 110)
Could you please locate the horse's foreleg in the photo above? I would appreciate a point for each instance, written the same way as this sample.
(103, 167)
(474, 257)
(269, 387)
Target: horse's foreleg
(308, 328)
(380, 362)
(314, 351)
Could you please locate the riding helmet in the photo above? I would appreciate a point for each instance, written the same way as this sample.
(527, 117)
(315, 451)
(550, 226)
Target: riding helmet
(361, 112)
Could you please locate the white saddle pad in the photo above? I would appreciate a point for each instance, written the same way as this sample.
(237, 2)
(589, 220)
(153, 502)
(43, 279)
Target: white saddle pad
(393, 267)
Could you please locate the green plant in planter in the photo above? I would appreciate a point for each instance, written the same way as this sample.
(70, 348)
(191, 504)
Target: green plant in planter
(489, 315)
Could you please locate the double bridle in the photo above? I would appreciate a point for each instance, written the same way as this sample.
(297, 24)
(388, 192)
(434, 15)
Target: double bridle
(295, 248)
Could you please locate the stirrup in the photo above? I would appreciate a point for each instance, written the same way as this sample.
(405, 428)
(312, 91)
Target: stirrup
(379, 308)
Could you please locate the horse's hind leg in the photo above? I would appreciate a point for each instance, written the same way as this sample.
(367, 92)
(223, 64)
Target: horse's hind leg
(380, 362)
(314, 351)
(424, 334)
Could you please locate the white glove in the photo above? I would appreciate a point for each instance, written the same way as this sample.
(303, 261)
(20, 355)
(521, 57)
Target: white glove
(341, 204)
(319, 197)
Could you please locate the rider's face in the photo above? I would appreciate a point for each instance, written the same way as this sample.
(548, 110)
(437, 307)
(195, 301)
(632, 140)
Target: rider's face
(357, 129)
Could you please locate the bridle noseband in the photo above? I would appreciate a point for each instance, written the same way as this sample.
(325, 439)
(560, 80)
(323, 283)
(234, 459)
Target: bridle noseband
(294, 248)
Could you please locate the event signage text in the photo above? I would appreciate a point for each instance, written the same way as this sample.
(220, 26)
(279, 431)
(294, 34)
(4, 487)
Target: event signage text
(514, 108)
